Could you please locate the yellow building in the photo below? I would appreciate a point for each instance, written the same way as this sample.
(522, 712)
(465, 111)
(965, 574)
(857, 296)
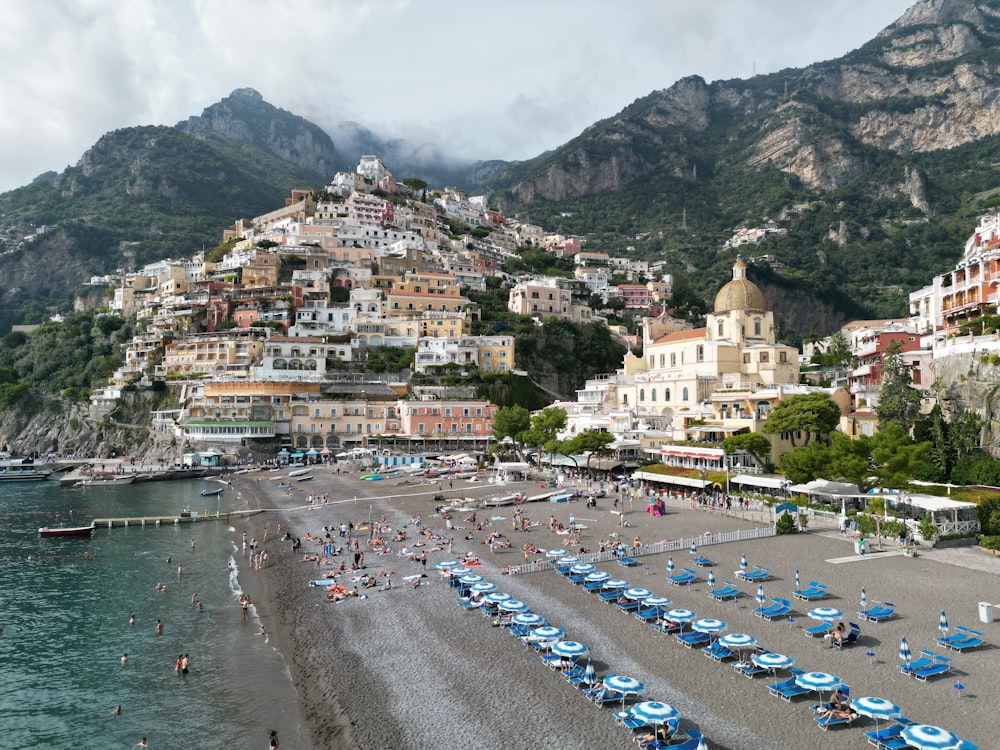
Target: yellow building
(229, 353)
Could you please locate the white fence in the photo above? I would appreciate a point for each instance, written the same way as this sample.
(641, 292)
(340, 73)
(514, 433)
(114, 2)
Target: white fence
(739, 535)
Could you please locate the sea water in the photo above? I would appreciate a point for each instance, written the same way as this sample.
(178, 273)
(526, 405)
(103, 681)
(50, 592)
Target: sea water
(65, 605)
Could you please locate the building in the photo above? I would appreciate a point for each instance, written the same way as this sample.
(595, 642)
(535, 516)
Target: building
(226, 354)
(488, 353)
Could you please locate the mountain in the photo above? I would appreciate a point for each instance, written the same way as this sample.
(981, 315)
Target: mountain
(874, 163)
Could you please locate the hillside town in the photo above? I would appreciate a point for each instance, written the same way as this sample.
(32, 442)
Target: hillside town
(267, 340)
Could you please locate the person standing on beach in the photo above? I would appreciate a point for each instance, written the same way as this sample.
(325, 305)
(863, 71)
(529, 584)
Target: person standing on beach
(272, 742)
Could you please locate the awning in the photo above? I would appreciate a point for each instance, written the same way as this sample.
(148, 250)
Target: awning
(771, 483)
(650, 476)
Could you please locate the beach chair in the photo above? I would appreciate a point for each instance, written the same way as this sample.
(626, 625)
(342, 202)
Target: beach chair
(580, 680)
(822, 629)
(967, 643)
(778, 608)
(881, 611)
(835, 721)
(665, 626)
(853, 634)
(685, 578)
(727, 590)
(627, 720)
(602, 695)
(611, 595)
(718, 652)
(926, 659)
(593, 586)
(941, 665)
(648, 614)
(576, 671)
(702, 562)
(630, 606)
(881, 737)
(577, 579)
(780, 688)
(692, 639)
(749, 669)
(628, 562)
(757, 575)
(811, 592)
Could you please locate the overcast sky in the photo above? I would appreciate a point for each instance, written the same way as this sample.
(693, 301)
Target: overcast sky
(506, 79)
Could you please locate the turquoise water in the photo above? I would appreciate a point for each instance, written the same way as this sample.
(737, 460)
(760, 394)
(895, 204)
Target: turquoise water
(65, 606)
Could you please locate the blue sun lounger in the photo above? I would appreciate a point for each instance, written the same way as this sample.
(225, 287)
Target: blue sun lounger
(890, 734)
(632, 605)
(969, 642)
(822, 629)
(941, 665)
(718, 652)
(691, 743)
(757, 575)
(727, 591)
(610, 596)
(926, 659)
(693, 638)
(684, 578)
(702, 562)
(779, 608)
(593, 586)
(833, 721)
(881, 611)
(648, 614)
(811, 592)
(787, 688)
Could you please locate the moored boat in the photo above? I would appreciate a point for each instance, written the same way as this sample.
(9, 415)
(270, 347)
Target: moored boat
(66, 530)
(21, 470)
(212, 493)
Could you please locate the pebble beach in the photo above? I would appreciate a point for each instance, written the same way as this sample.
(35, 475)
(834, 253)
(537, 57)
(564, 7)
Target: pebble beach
(409, 667)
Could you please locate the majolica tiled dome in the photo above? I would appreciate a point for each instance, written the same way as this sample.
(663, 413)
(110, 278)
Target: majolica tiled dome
(740, 293)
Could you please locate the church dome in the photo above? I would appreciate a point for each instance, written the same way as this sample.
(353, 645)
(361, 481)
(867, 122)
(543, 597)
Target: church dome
(740, 293)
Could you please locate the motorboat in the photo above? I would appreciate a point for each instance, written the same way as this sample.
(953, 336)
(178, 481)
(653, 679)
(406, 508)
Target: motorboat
(212, 493)
(66, 530)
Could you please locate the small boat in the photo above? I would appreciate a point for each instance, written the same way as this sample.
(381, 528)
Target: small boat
(107, 480)
(298, 472)
(66, 530)
(212, 493)
(304, 479)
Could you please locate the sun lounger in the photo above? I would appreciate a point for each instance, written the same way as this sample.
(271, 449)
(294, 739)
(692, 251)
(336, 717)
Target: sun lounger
(577, 579)
(833, 721)
(689, 743)
(612, 595)
(630, 606)
(787, 689)
(648, 614)
(702, 562)
(881, 611)
(580, 680)
(926, 659)
(811, 592)
(727, 591)
(718, 652)
(684, 578)
(942, 665)
(602, 695)
(779, 608)
(593, 586)
(757, 575)
(969, 642)
(694, 638)
(822, 629)
(664, 626)
(749, 669)
(853, 634)
(879, 737)
(966, 745)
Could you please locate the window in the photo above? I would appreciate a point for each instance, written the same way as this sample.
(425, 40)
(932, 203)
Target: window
(756, 327)
(721, 328)
(746, 358)
(673, 360)
(642, 394)
(782, 357)
(701, 353)
(764, 357)
(666, 394)
(684, 394)
(653, 395)
(662, 360)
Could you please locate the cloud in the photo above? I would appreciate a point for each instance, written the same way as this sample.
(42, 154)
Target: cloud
(485, 80)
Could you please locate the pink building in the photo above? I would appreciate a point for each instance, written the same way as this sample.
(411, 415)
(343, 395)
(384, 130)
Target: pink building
(461, 419)
(635, 296)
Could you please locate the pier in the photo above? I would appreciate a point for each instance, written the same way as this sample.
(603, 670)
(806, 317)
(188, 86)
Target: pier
(143, 521)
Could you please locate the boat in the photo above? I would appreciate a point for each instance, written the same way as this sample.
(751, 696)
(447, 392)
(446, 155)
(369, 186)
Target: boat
(299, 472)
(212, 493)
(107, 480)
(21, 470)
(304, 479)
(66, 530)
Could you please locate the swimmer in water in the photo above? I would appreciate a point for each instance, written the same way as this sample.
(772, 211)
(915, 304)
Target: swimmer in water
(125, 657)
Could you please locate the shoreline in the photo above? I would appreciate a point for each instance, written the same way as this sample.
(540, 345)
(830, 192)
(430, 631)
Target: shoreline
(410, 668)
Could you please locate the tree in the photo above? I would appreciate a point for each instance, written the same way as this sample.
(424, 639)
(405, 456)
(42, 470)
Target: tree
(805, 463)
(753, 443)
(591, 442)
(545, 426)
(899, 401)
(809, 413)
(511, 422)
(849, 460)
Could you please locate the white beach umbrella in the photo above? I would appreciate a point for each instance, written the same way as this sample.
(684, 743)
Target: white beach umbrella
(864, 598)
(569, 649)
(654, 713)
(708, 625)
(483, 587)
(738, 641)
(447, 564)
(680, 615)
(530, 619)
(825, 613)
(624, 685)
(876, 708)
(470, 579)
(553, 553)
(943, 623)
(773, 661)
(598, 576)
(637, 593)
(797, 584)
(743, 562)
(581, 569)
(657, 601)
(904, 650)
(670, 564)
(760, 594)
(496, 597)
(547, 633)
(926, 737)
(513, 605)
(711, 579)
(694, 548)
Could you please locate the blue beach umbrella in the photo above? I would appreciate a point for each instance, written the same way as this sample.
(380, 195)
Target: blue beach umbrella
(709, 625)
(738, 641)
(657, 601)
(446, 564)
(773, 661)
(582, 569)
(702, 745)
(681, 615)
(864, 598)
(760, 594)
(943, 623)
(459, 571)
(569, 560)
(825, 613)
(624, 685)
(654, 712)
(694, 548)
(569, 649)
(530, 619)
(513, 605)
(616, 583)
(553, 553)
(589, 673)
(904, 650)
(876, 708)
(711, 579)
(818, 681)
(927, 737)
(598, 576)
(483, 587)
(670, 564)
(637, 593)
(547, 633)
(743, 562)
(797, 585)
(469, 580)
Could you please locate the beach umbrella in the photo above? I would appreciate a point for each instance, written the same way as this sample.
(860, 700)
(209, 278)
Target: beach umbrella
(711, 579)
(825, 613)
(459, 571)
(760, 594)
(702, 745)
(547, 633)
(772, 661)
(738, 641)
(670, 564)
(637, 593)
(876, 708)
(818, 681)
(743, 562)
(483, 587)
(446, 564)
(530, 619)
(513, 605)
(797, 585)
(654, 712)
(708, 625)
(904, 650)
(694, 548)
(569, 560)
(680, 615)
(496, 597)
(470, 579)
(553, 553)
(616, 583)
(864, 598)
(656, 601)
(569, 649)
(598, 576)
(927, 737)
(624, 685)
(943, 623)
(589, 673)
(582, 569)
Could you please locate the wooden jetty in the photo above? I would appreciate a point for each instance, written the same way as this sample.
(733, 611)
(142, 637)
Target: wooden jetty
(178, 518)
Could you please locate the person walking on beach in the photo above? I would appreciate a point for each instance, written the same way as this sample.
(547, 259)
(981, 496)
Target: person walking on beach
(272, 742)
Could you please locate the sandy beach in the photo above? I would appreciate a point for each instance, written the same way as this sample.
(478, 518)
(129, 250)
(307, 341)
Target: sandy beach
(409, 667)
